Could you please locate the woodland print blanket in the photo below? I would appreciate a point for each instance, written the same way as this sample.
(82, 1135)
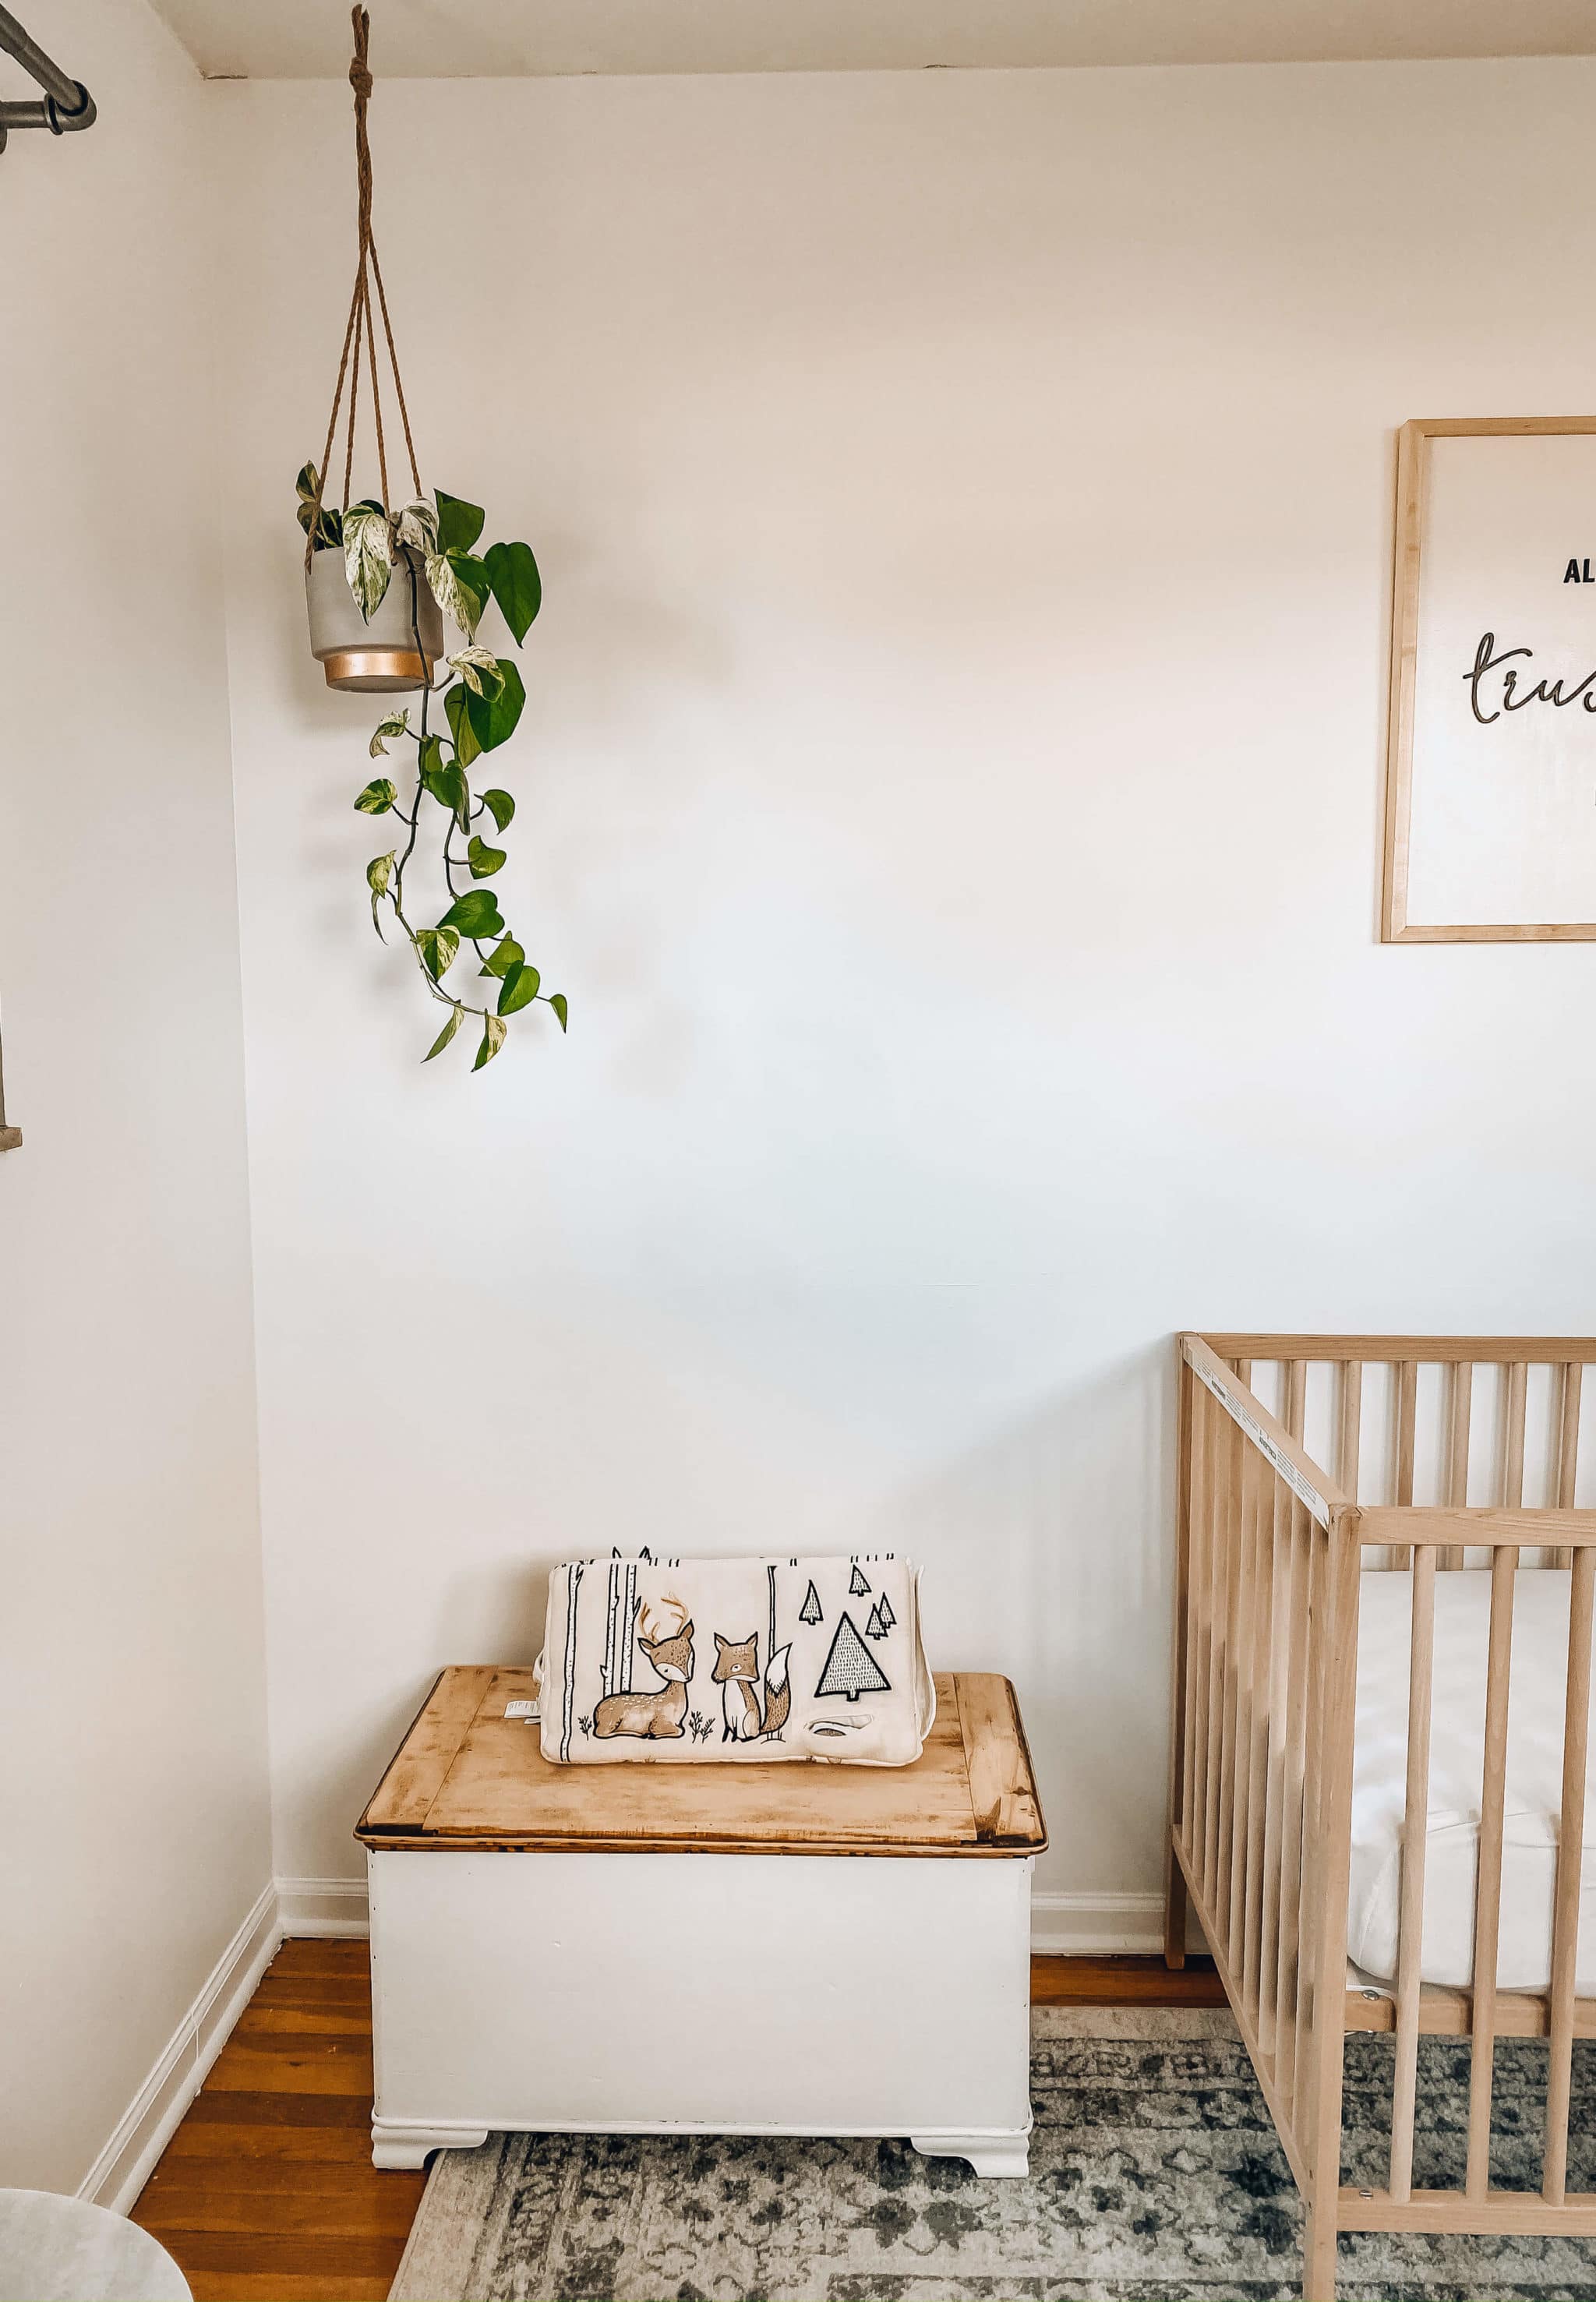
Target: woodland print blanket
(756, 1659)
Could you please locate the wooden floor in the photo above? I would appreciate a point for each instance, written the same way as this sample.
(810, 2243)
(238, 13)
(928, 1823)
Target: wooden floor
(267, 2192)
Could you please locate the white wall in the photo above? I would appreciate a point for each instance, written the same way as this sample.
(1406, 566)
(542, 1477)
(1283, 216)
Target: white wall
(132, 1690)
(949, 796)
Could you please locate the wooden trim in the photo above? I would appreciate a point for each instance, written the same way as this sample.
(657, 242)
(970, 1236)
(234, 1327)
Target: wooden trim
(1517, 1530)
(1428, 1351)
(418, 1768)
(1413, 472)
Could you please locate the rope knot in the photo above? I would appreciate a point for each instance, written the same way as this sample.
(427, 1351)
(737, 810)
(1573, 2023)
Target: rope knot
(360, 80)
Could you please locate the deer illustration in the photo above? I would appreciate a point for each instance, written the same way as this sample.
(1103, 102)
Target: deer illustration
(751, 1708)
(655, 1715)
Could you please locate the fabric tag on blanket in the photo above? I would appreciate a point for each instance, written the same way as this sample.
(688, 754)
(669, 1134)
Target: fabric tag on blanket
(734, 1658)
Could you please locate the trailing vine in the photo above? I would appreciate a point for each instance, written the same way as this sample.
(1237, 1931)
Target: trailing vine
(433, 542)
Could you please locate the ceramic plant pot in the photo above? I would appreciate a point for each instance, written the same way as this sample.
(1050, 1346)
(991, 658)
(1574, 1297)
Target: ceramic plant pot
(378, 657)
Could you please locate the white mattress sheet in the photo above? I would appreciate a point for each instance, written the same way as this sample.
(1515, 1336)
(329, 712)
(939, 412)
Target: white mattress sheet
(1534, 1777)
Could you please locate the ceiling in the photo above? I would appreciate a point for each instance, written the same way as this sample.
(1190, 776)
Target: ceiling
(309, 40)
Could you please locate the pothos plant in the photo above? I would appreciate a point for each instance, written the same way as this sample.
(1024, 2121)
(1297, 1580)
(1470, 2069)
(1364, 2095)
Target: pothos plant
(434, 543)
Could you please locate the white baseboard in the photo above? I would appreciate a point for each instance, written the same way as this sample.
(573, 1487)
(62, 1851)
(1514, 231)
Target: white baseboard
(328, 1907)
(1080, 1925)
(147, 2126)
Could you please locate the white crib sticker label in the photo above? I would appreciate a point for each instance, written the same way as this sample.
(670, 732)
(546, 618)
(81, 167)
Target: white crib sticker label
(522, 1711)
(1288, 1470)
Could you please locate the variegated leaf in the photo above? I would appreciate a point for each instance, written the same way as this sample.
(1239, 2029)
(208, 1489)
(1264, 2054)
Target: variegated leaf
(438, 947)
(367, 557)
(378, 871)
(494, 1034)
(396, 724)
(418, 525)
(459, 602)
(475, 665)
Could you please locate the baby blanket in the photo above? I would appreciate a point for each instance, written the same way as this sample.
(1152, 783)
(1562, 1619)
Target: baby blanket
(755, 1658)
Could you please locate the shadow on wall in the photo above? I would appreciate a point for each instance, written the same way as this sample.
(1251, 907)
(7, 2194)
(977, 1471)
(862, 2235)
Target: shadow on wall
(1072, 1509)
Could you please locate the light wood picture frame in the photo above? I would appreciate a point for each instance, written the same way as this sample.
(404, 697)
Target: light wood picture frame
(1491, 818)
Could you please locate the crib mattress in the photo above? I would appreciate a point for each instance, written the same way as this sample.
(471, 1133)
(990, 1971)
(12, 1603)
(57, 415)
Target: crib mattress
(1534, 1775)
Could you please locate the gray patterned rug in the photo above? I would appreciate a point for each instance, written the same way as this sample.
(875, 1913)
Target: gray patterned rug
(1155, 2177)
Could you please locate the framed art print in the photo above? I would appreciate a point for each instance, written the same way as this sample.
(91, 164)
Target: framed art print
(1491, 773)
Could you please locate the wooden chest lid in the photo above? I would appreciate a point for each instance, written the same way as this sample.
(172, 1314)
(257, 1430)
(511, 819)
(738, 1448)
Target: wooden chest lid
(467, 1777)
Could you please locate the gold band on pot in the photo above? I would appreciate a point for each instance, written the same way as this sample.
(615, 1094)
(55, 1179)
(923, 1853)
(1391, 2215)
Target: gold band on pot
(379, 669)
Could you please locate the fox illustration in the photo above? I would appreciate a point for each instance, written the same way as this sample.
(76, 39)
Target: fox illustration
(751, 1708)
(655, 1715)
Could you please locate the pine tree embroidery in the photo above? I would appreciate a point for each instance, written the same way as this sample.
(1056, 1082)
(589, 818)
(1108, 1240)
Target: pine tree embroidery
(875, 1628)
(885, 1614)
(851, 1669)
(857, 1585)
(810, 1612)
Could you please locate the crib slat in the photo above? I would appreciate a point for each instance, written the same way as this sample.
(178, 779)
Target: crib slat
(1231, 1543)
(1296, 1397)
(1289, 1979)
(1569, 1448)
(1193, 1776)
(1220, 1433)
(1281, 1586)
(1565, 1921)
(1250, 1468)
(1488, 1892)
(1259, 1684)
(1313, 1838)
(1513, 1439)
(1462, 1382)
(1411, 1919)
(1407, 1406)
(1352, 1402)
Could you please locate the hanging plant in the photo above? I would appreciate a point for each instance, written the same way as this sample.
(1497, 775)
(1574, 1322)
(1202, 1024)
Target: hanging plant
(378, 584)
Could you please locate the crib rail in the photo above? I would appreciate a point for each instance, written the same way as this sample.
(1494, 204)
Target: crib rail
(1271, 1552)
(1265, 1687)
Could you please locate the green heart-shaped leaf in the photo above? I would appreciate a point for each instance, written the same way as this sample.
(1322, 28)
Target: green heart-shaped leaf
(466, 746)
(504, 956)
(377, 797)
(500, 806)
(557, 1000)
(518, 989)
(517, 585)
(459, 524)
(484, 860)
(494, 717)
(476, 913)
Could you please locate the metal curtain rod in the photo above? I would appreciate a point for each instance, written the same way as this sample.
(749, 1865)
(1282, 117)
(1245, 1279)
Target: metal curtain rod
(65, 103)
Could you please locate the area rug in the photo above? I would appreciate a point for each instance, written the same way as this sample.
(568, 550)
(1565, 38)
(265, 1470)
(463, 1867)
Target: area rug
(1155, 2177)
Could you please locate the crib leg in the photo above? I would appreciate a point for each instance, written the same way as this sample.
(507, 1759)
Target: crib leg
(1174, 1913)
(1319, 2256)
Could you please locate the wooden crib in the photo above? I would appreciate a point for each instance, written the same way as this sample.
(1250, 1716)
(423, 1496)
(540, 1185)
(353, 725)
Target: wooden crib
(1271, 1549)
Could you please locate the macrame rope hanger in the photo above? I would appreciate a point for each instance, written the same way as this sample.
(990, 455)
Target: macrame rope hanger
(360, 331)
